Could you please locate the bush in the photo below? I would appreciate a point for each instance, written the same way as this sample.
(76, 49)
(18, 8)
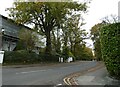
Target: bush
(65, 52)
(49, 57)
(110, 48)
(21, 56)
(25, 57)
(20, 46)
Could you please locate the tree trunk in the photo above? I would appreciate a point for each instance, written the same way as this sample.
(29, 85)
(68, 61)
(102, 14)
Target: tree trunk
(48, 43)
(75, 48)
(71, 45)
(65, 40)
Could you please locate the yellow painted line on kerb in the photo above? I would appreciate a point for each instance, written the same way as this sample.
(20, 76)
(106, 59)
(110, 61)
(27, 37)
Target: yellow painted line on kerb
(68, 80)
(65, 81)
(75, 82)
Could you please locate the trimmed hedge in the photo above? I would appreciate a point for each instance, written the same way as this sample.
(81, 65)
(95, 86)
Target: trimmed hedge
(110, 48)
(24, 57)
(21, 56)
(49, 57)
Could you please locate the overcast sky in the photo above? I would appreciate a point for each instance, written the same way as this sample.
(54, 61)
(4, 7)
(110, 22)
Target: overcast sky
(98, 9)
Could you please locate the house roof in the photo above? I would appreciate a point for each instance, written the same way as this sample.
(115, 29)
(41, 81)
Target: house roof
(6, 18)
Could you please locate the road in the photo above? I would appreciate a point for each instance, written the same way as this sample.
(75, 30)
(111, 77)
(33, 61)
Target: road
(44, 75)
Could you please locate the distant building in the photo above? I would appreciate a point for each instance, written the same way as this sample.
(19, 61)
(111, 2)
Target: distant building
(9, 33)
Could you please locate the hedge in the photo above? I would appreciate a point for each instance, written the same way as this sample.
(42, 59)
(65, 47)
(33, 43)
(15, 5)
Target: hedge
(110, 48)
(24, 57)
(49, 57)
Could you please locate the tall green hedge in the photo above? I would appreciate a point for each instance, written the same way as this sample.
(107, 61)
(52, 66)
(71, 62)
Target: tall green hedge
(110, 48)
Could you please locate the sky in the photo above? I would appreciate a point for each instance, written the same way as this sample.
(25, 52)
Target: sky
(97, 10)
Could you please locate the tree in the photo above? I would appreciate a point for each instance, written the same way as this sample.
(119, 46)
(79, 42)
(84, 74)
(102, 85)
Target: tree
(56, 40)
(110, 19)
(95, 33)
(88, 55)
(28, 38)
(95, 36)
(44, 15)
(73, 35)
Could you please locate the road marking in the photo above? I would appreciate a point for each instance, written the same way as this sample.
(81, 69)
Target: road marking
(68, 80)
(64, 67)
(30, 72)
(58, 85)
(49, 69)
(65, 81)
(75, 81)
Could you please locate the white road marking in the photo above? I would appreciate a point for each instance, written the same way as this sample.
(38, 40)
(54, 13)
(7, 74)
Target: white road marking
(31, 72)
(49, 69)
(64, 67)
(57, 85)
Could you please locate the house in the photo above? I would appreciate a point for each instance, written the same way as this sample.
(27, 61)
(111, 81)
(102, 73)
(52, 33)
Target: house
(9, 31)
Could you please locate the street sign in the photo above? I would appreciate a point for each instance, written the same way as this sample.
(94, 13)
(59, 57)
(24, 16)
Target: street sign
(1, 56)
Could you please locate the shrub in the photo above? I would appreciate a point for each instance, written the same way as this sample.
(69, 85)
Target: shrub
(110, 48)
(21, 56)
(25, 57)
(49, 57)
(20, 46)
(65, 52)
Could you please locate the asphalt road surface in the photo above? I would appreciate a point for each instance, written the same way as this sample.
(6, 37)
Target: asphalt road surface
(42, 75)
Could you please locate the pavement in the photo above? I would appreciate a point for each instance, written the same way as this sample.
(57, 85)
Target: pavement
(97, 76)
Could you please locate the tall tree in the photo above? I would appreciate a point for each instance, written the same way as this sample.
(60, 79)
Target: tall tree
(95, 36)
(73, 34)
(28, 38)
(56, 40)
(88, 55)
(110, 19)
(44, 15)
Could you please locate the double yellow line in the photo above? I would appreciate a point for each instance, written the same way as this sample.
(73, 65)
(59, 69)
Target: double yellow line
(69, 80)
